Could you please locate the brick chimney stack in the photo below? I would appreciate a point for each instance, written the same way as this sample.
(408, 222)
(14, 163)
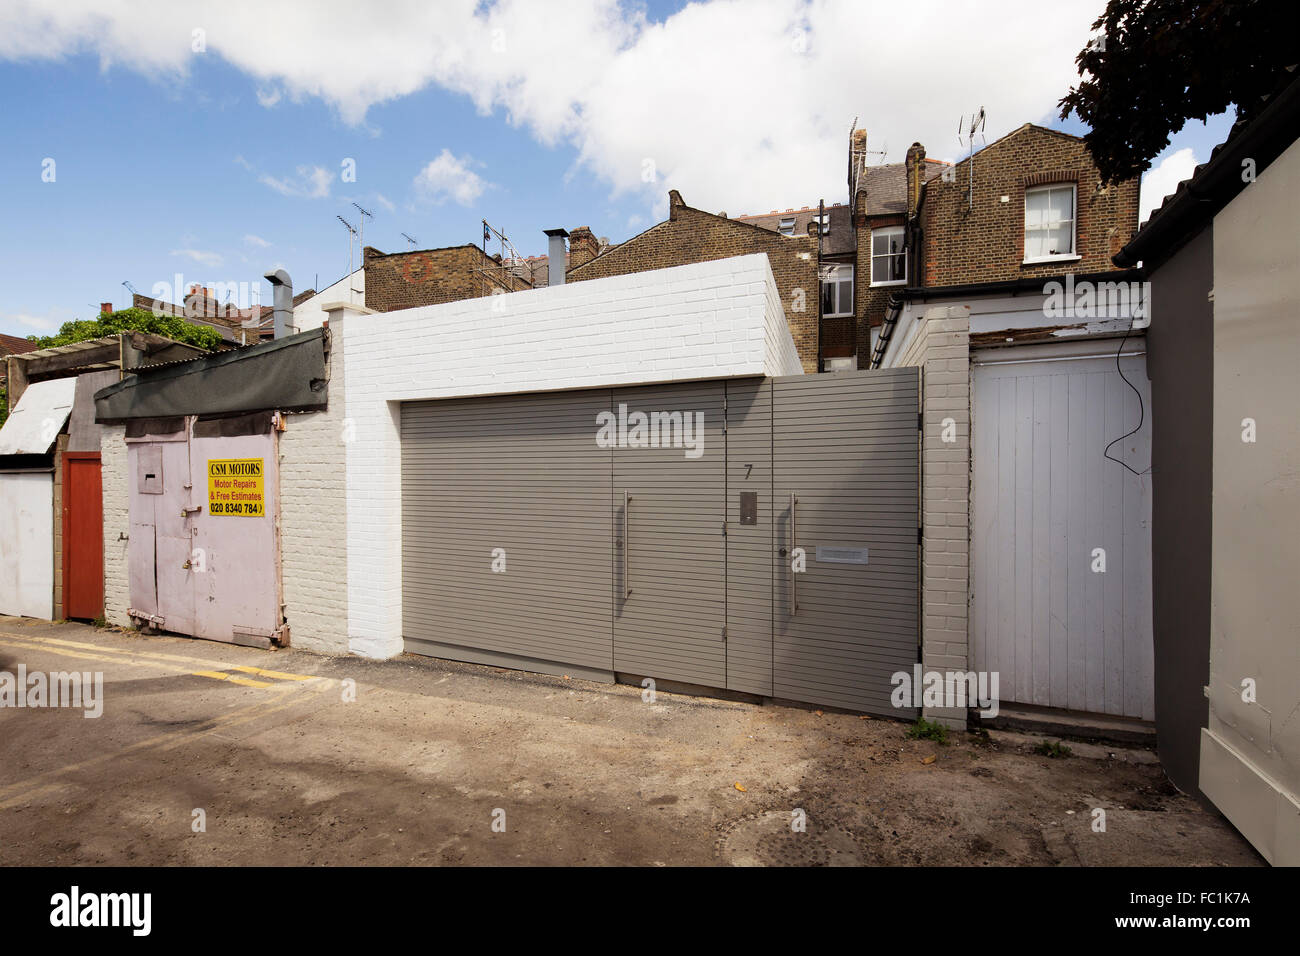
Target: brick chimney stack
(583, 246)
(915, 167)
(857, 157)
(105, 307)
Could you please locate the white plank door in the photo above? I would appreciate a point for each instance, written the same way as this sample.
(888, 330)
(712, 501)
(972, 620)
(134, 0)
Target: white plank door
(1044, 499)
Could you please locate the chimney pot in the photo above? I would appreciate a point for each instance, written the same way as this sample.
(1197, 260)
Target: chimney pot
(282, 296)
(555, 255)
(583, 246)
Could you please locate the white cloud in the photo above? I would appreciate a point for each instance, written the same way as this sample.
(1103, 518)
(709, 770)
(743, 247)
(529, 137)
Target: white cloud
(1162, 179)
(385, 202)
(743, 105)
(37, 322)
(257, 241)
(311, 182)
(268, 98)
(450, 177)
(202, 256)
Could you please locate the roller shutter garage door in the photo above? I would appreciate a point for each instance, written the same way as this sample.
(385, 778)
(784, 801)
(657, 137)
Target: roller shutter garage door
(506, 531)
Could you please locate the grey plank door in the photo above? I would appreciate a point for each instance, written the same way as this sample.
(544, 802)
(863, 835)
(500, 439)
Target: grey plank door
(750, 568)
(670, 564)
(846, 476)
(506, 530)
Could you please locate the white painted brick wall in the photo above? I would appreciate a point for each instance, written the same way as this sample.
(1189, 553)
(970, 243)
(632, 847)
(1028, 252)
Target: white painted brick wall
(117, 524)
(940, 346)
(705, 320)
(313, 521)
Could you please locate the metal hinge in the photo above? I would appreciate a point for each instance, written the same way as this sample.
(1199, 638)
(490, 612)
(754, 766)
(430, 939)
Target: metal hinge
(724, 632)
(919, 421)
(919, 532)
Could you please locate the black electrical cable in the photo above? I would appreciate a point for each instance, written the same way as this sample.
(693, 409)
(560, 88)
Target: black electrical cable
(1141, 406)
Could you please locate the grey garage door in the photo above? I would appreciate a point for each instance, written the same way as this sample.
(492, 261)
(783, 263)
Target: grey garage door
(672, 558)
(506, 518)
(669, 546)
(846, 472)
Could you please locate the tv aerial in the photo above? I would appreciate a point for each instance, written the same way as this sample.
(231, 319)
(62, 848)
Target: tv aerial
(967, 133)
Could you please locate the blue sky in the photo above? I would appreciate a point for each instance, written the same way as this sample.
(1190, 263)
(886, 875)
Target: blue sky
(223, 163)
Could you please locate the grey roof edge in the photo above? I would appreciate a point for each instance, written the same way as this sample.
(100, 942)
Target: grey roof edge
(209, 360)
(159, 376)
(1218, 181)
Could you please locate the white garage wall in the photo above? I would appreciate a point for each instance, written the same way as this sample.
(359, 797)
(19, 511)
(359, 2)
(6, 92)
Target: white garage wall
(27, 544)
(313, 523)
(707, 320)
(308, 314)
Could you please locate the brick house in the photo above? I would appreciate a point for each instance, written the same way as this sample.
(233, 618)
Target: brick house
(404, 280)
(831, 227)
(880, 199)
(691, 235)
(12, 345)
(203, 307)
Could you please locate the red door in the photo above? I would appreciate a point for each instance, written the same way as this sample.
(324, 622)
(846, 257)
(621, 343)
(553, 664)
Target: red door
(83, 536)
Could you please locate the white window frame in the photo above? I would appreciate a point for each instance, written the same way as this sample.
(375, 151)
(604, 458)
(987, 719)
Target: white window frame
(823, 224)
(781, 226)
(882, 231)
(839, 273)
(1073, 254)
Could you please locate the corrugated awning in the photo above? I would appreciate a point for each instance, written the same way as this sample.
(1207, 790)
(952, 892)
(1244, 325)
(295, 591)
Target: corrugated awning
(289, 374)
(37, 419)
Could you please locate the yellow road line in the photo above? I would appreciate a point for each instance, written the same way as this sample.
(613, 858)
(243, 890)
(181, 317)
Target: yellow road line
(230, 678)
(278, 675)
(24, 644)
(204, 662)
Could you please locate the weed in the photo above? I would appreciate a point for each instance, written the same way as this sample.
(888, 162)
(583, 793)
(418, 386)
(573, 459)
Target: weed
(927, 730)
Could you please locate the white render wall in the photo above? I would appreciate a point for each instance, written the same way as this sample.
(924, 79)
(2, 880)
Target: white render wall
(117, 524)
(1250, 750)
(707, 320)
(313, 522)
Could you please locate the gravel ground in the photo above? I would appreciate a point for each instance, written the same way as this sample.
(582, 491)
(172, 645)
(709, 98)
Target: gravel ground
(443, 763)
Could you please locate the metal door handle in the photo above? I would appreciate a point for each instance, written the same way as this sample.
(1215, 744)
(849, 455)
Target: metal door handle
(794, 540)
(627, 546)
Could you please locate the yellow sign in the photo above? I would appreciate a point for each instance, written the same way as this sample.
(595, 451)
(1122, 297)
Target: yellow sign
(235, 487)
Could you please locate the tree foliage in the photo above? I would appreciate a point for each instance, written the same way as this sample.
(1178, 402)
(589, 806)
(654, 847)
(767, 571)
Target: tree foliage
(1159, 63)
(131, 320)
